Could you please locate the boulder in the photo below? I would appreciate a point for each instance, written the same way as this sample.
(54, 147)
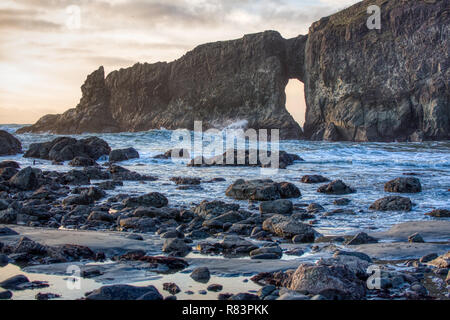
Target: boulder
(186, 180)
(212, 209)
(286, 227)
(9, 145)
(336, 187)
(314, 179)
(201, 274)
(176, 247)
(123, 155)
(82, 162)
(439, 213)
(8, 216)
(392, 203)
(415, 238)
(262, 190)
(361, 238)
(66, 149)
(403, 185)
(331, 281)
(9, 164)
(153, 199)
(124, 292)
(26, 179)
(442, 261)
(281, 206)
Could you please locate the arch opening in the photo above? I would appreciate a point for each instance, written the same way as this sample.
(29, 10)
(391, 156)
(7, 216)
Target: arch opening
(295, 100)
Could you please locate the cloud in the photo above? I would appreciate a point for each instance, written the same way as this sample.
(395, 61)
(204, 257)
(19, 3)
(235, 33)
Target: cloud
(13, 19)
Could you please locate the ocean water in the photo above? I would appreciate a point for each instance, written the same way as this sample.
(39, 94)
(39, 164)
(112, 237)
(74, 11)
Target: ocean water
(364, 166)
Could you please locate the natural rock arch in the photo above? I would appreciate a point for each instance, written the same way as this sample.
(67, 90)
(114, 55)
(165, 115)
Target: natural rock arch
(360, 84)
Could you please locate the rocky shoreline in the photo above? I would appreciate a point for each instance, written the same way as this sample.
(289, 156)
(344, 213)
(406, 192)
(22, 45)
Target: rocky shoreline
(51, 219)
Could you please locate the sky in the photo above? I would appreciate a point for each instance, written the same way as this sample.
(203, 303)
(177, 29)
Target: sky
(48, 47)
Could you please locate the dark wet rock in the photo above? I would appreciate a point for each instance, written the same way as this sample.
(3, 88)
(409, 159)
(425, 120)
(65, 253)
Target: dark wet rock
(361, 238)
(137, 224)
(71, 252)
(341, 202)
(201, 274)
(9, 164)
(109, 185)
(171, 263)
(153, 199)
(295, 252)
(331, 281)
(314, 208)
(226, 218)
(336, 187)
(28, 246)
(100, 216)
(288, 228)
(214, 180)
(97, 173)
(5, 294)
(136, 237)
(429, 257)
(289, 190)
(186, 180)
(13, 282)
(231, 245)
(123, 155)
(212, 209)
(234, 157)
(8, 216)
(224, 296)
(176, 247)
(314, 179)
(75, 178)
(4, 261)
(86, 197)
(241, 229)
(416, 238)
(235, 245)
(26, 179)
(174, 154)
(244, 297)
(339, 212)
(46, 296)
(439, 213)
(7, 173)
(82, 162)
(163, 213)
(9, 145)
(262, 190)
(442, 261)
(123, 174)
(359, 255)
(171, 287)
(392, 203)
(267, 253)
(266, 291)
(124, 292)
(214, 288)
(65, 149)
(403, 185)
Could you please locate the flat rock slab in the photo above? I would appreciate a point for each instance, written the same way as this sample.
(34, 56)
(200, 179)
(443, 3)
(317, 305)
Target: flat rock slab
(431, 231)
(111, 243)
(238, 267)
(401, 250)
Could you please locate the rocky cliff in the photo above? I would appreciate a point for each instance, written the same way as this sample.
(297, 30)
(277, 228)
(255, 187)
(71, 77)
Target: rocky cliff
(360, 84)
(218, 83)
(380, 85)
